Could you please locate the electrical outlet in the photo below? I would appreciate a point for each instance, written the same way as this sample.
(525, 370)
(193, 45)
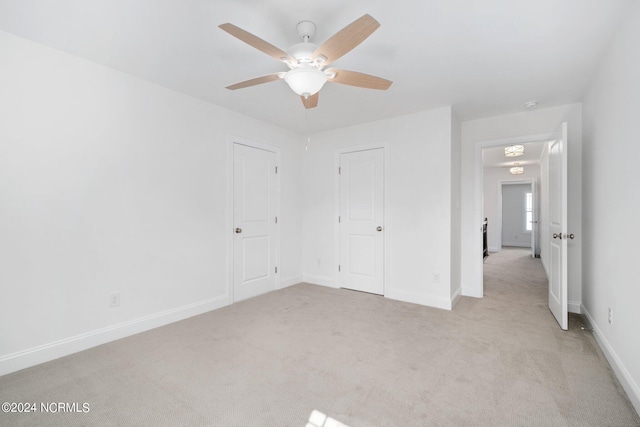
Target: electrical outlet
(114, 299)
(610, 316)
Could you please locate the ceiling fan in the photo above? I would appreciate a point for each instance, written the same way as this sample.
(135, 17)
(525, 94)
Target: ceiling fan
(307, 61)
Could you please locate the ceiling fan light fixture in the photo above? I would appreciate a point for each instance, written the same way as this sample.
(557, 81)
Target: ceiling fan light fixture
(305, 81)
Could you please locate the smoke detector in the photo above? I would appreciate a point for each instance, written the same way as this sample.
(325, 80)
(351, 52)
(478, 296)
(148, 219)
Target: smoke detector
(531, 105)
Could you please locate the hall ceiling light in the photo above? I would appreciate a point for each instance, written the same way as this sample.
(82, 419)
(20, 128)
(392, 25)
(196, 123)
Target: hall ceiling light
(516, 169)
(514, 150)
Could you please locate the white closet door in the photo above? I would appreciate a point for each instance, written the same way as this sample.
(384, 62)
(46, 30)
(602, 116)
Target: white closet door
(254, 204)
(362, 221)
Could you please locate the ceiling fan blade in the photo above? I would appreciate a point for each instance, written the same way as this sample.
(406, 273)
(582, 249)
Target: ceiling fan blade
(256, 81)
(353, 78)
(346, 39)
(310, 101)
(256, 42)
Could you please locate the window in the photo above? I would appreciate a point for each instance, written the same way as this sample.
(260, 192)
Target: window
(528, 211)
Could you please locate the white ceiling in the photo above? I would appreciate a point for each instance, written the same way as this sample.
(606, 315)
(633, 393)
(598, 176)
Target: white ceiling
(484, 57)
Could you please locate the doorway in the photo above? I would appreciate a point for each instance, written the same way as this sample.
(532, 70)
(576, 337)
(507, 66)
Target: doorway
(511, 201)
(517, 224)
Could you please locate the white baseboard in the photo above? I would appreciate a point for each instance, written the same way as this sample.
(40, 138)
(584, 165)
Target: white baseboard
(431, 301)
(471, 291)
(494, 249)
(318, 280)
(290, 282)
(456, 297)
(622, 373)
(54, 350)
(574, 307)
(437, 302)
(517, 244)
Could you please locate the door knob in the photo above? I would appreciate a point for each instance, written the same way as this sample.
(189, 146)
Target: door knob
(555, 236)
(238, 230)
(379, 228)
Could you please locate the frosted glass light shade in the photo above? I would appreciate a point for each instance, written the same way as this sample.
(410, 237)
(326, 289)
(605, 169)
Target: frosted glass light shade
(516, 170)
(305, 81)
(514, 150)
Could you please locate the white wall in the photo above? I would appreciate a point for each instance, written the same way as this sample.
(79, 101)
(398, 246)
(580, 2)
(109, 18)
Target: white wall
(492, 181)
(540, 121)
(611, 204)
(112, 184)
(418, 204)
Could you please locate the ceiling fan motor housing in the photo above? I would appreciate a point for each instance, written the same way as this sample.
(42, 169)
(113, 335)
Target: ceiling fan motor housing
(302, 52)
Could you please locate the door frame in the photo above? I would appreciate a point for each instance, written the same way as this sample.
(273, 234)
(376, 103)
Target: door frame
(478, 184)
(385, 206)
(501, 183)
(231, 140)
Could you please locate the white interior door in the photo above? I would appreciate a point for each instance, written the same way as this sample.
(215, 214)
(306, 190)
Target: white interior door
(362, 221)
(534, 217)
(254, 216)
(558, 226)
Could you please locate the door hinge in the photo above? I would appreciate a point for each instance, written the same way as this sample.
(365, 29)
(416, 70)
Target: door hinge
(276, 270)
(339, 219)
(276, 220)
(338, 267)
(276, 170)
(339, 170)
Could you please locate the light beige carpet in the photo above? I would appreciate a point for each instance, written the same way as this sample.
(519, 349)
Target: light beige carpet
(361, 359)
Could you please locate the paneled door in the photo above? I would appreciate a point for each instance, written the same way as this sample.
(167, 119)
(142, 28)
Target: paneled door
(558, 226)
(361, 221)
(532, 207)
(255, 222)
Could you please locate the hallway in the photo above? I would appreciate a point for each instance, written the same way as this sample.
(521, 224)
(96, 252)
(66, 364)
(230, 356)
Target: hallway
(575, 373)
(514, 273)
